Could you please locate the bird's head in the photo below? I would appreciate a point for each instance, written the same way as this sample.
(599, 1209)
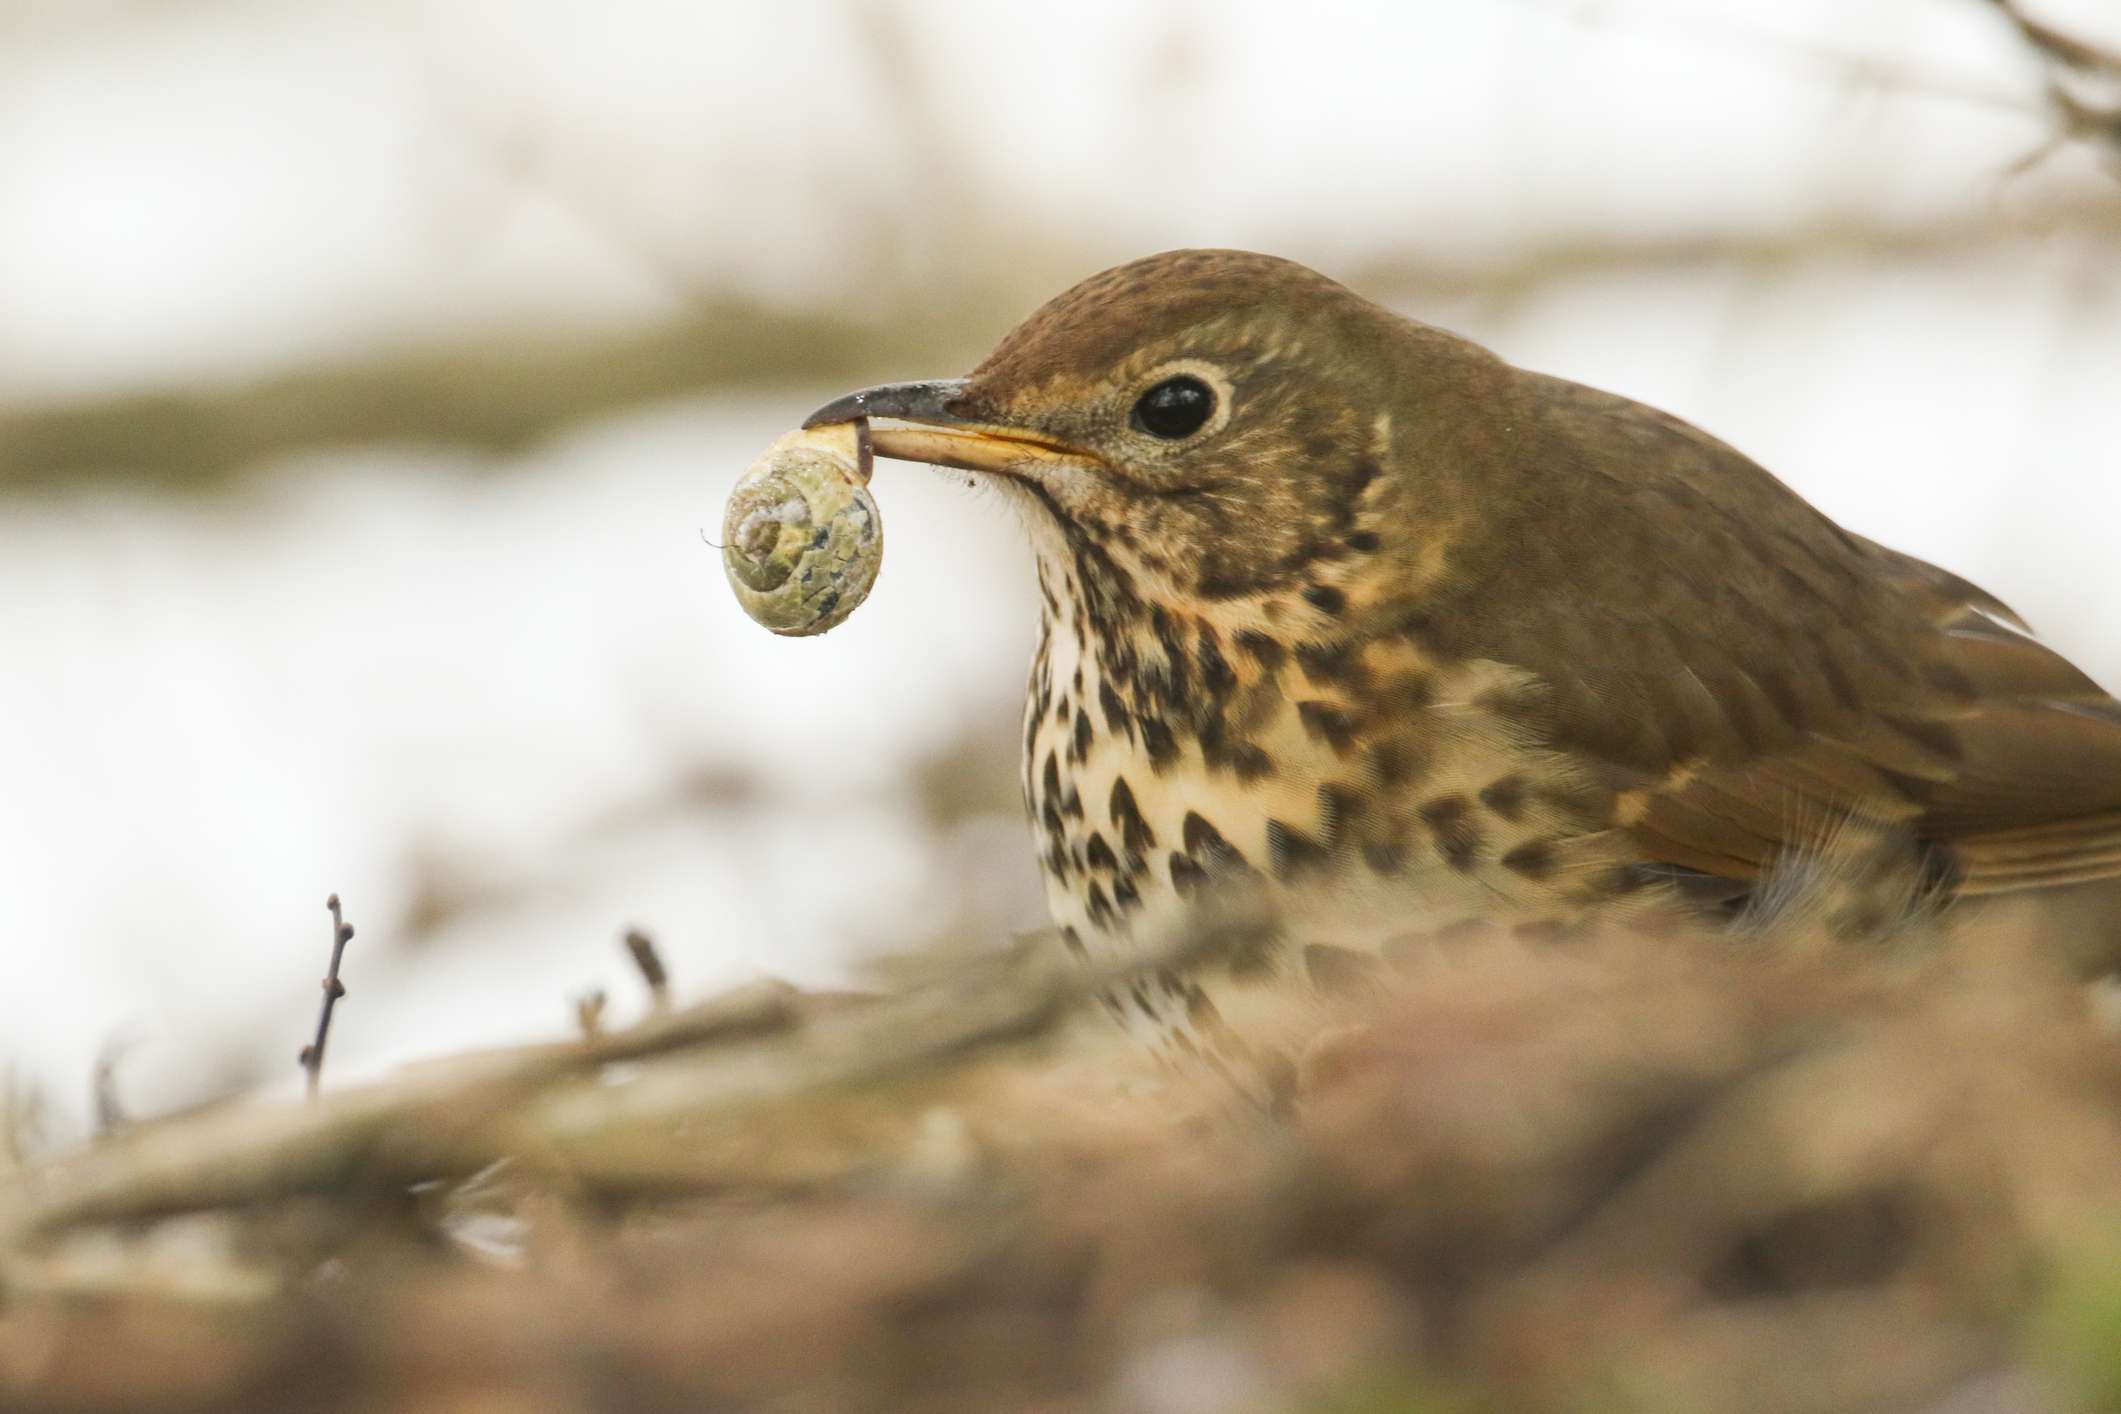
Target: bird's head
(1238, 435)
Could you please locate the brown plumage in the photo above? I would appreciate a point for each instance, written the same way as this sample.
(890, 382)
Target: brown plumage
(1405, 634)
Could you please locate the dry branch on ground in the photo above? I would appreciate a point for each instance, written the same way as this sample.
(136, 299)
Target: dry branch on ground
(1648, 1174)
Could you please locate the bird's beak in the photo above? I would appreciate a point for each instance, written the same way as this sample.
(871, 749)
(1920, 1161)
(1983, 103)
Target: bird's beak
(931, 422)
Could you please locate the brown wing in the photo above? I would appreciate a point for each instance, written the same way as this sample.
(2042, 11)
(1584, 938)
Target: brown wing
(1761, 674)
(2008, 756)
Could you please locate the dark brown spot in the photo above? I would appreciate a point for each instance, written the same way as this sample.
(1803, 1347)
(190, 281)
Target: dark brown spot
(1535, 860)
(1082, 737)
(1291, 852)
(1417, 627)
(1216, 675)
(1364, 541)
(1357, 480)
(1159, 743)
(1250, 761)
(1329, 724)
(1115, 710)
(1325, 598)
(1394, 762)
(1338, 803)
(1126, 895)
(1527, 702)
(1265, 651)
(1135, 836)
(1505, 796)
(1031, 721)
(1206, 844)
(1408, 690)
(1099, 854)
(1098, 907)
(1074, 942)
(1449, 818)
(1214, 736)
(1186, 876)
(1331, 662)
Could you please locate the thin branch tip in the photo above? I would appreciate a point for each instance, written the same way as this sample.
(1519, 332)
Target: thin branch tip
(642, 949)
(311, 1057)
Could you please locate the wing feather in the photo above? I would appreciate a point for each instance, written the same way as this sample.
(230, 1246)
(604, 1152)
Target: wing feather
(1765, 675)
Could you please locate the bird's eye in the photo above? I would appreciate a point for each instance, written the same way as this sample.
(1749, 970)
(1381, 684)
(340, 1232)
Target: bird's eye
(1175, 408)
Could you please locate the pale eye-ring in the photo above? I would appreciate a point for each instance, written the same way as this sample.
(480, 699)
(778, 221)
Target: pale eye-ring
(1175, 408)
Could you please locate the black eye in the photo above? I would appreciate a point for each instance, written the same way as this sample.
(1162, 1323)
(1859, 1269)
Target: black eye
(1175, 408)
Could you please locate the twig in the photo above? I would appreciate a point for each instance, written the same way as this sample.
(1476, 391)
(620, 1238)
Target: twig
(312, 1057)
(238, 1151)
(641, 948)
(705, 1080)
(2069, 57)
(2062, 48)
(589, 1013)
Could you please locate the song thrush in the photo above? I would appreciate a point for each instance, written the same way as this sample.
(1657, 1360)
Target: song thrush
(1347, 607)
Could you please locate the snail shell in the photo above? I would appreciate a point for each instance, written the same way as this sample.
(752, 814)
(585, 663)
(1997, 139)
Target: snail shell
(802, 537)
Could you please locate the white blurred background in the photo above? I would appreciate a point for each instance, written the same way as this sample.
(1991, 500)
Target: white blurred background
(369, 373)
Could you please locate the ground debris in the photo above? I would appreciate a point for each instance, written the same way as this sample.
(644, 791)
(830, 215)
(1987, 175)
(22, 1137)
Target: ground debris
(1631, 1174)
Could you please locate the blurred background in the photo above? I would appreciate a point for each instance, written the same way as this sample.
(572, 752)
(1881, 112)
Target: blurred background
(371, 373)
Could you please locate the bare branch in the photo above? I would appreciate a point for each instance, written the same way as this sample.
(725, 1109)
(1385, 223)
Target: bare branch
(499, 395)
(239, 1151)
(732, 1087)
(641, 948)
(312, 1057)
(2072, 61)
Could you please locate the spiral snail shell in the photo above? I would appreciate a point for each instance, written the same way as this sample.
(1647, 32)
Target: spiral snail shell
(802, 537)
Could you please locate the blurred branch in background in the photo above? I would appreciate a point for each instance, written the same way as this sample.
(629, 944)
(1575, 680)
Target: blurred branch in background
(2083, 84)
(499, 392)
(496, 393)
(924, 306)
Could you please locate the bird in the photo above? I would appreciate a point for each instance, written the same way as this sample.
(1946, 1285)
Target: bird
(1347, 614)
